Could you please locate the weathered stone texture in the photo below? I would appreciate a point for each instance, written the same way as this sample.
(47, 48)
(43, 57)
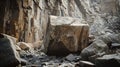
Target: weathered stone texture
(28, 21)
(9, 57)
(29, 18)
(67, 35)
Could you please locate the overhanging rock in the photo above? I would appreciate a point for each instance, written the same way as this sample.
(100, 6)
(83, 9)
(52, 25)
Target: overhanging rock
(66, 35)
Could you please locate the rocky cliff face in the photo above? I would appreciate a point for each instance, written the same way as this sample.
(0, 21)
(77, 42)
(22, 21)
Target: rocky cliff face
(27, 20)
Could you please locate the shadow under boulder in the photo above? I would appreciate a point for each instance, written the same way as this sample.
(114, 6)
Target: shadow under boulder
(112, 60)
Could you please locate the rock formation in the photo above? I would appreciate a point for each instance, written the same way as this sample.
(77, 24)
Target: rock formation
(68, 34)
(29, 21)
(9, 57)
(29, 18)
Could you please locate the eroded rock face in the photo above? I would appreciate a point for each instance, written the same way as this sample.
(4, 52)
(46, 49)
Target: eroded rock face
(67, 35)
(27, 20)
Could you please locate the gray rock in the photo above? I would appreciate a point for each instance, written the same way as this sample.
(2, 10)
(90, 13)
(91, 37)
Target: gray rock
(110, 37)
(98, 27)
(98, 46)
(72, 58)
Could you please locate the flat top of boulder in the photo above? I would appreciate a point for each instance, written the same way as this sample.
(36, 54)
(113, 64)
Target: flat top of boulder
(57, 20)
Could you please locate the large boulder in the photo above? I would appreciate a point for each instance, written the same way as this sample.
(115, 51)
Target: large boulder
(67, 35)
(9, 57)
(97, 47)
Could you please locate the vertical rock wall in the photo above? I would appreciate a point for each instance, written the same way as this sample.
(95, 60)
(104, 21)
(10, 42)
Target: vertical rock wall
(27, 20)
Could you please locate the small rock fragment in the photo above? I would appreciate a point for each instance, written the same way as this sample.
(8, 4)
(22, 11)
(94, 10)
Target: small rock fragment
(86, 64)
(72, 57)
(24, 46)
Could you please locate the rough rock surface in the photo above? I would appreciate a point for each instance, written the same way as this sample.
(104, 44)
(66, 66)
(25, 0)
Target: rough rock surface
(25, 16)
(68, 34)
(40, 59)
(27, 20)
(98, 46)
(9, 57)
